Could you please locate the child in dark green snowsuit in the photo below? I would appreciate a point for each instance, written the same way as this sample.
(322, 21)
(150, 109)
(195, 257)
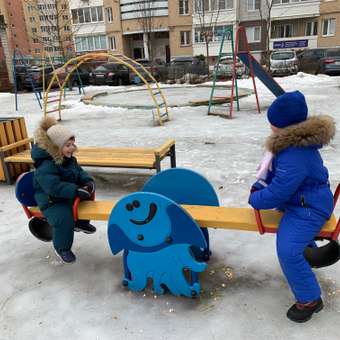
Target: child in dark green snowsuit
(58, 180)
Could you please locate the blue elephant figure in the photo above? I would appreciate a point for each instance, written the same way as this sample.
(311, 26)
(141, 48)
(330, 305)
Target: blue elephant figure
(157, 237)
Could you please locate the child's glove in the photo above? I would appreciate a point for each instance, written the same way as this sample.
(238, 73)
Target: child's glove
(90, 187)
(83, 194)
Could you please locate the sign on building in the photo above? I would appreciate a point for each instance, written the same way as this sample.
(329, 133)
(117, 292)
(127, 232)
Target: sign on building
(291, 44)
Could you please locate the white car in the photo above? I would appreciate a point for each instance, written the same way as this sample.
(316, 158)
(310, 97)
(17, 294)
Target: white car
(283, 63)
(225, 68)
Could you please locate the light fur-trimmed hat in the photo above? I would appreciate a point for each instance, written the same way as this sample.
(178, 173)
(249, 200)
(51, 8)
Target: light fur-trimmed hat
(57, 133)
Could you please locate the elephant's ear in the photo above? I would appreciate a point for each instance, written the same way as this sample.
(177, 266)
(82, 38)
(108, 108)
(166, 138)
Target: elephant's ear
(117, 239)
(184, 230)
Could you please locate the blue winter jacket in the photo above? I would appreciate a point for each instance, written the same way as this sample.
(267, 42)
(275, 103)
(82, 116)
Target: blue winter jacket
(299, 178)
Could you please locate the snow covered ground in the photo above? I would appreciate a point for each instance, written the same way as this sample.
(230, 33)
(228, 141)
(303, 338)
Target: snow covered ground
(244, 294)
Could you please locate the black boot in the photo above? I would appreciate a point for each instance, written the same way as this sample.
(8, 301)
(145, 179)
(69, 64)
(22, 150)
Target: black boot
(302, 312)
(84, 226)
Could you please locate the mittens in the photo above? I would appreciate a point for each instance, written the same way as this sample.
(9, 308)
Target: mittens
(90, 187)
(83, 194)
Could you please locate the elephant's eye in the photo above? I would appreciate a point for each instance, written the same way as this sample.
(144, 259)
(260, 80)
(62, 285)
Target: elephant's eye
(136, 204)
(129, 207)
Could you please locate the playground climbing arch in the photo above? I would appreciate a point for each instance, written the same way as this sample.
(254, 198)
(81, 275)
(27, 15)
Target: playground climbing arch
(161, 112)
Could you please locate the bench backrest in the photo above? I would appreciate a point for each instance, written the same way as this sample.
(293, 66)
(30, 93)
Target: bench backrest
(24, 189)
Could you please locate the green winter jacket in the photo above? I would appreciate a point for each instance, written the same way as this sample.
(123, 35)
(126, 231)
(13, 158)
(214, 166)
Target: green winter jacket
(56, 180)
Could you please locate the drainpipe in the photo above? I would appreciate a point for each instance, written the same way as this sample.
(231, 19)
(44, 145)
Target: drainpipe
(146, 43)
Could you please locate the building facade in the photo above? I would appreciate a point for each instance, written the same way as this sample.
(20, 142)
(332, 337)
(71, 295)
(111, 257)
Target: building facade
(48, 23)
(329, 24)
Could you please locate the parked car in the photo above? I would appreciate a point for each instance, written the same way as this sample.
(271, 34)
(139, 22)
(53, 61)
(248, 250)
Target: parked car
(34, 75)
(330, 64)
(325, 60)
(283, 63)
(309, 59)
(110, 74)
(179, 66)
(225, 69)
(156, 67)
(20, 75)
(80, 75)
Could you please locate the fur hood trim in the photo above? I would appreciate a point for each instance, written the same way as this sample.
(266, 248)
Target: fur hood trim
(315, 131)
(44, 142)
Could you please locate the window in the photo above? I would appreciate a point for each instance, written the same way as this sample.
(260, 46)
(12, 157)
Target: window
(109, 14)
(87, 15)
(35, 40)
(199, 38)
(112, 43)
(218, 32)
(311, 28)
(282, 2)
(183, 7)
(328, 27)
(253, 34)
(90, 43)
(282, 31)
(185, 38)
(213, 5)
(253, 5)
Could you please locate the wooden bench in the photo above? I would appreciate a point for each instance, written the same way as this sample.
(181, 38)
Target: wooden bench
(144, 158)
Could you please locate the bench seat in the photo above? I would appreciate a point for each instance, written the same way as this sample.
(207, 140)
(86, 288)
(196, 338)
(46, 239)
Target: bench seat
(144, 158)
(207, 216)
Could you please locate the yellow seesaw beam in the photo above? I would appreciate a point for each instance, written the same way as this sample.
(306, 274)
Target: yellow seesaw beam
(205, 216)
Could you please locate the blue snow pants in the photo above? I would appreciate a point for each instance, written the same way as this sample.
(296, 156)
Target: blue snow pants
(297, 230)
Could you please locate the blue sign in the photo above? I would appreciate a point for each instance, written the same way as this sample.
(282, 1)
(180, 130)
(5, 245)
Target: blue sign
(291, 44)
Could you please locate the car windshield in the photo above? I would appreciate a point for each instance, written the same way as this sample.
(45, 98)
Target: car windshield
(333, 53)
(282, 56)
(101, 69)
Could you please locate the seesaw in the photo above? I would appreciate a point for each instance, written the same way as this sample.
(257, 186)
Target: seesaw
(162, 230)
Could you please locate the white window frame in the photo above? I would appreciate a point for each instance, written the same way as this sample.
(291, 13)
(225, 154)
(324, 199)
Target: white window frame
(83, 43)
(80, 13)
(251, 5)
(314, 24)
(285, 31)
(228, 5)
(109, 14)
(251, 36)
(287, 2)
(186, 38)
(112, 43)
(330, 28)
(183, 6)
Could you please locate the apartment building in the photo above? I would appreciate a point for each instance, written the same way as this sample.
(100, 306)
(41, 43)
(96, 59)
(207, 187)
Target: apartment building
(13, 35)
(253, 16)
(329, 24)
(88, 24)
(212, 18)
(4, 75)
(295, 24)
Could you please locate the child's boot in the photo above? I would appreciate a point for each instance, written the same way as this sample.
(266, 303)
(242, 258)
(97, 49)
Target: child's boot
(302, 312)
(84, 226)
(66, 256)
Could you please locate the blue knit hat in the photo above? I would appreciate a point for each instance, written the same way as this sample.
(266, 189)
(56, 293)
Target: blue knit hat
(288, 109)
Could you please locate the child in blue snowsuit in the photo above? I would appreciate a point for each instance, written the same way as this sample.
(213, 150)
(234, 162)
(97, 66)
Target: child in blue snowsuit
(297, 184)
(58, 180)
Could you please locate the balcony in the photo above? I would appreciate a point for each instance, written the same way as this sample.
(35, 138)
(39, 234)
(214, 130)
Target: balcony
(295, 10)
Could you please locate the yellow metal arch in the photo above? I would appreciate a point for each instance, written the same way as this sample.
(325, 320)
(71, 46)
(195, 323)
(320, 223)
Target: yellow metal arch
(120, 59)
